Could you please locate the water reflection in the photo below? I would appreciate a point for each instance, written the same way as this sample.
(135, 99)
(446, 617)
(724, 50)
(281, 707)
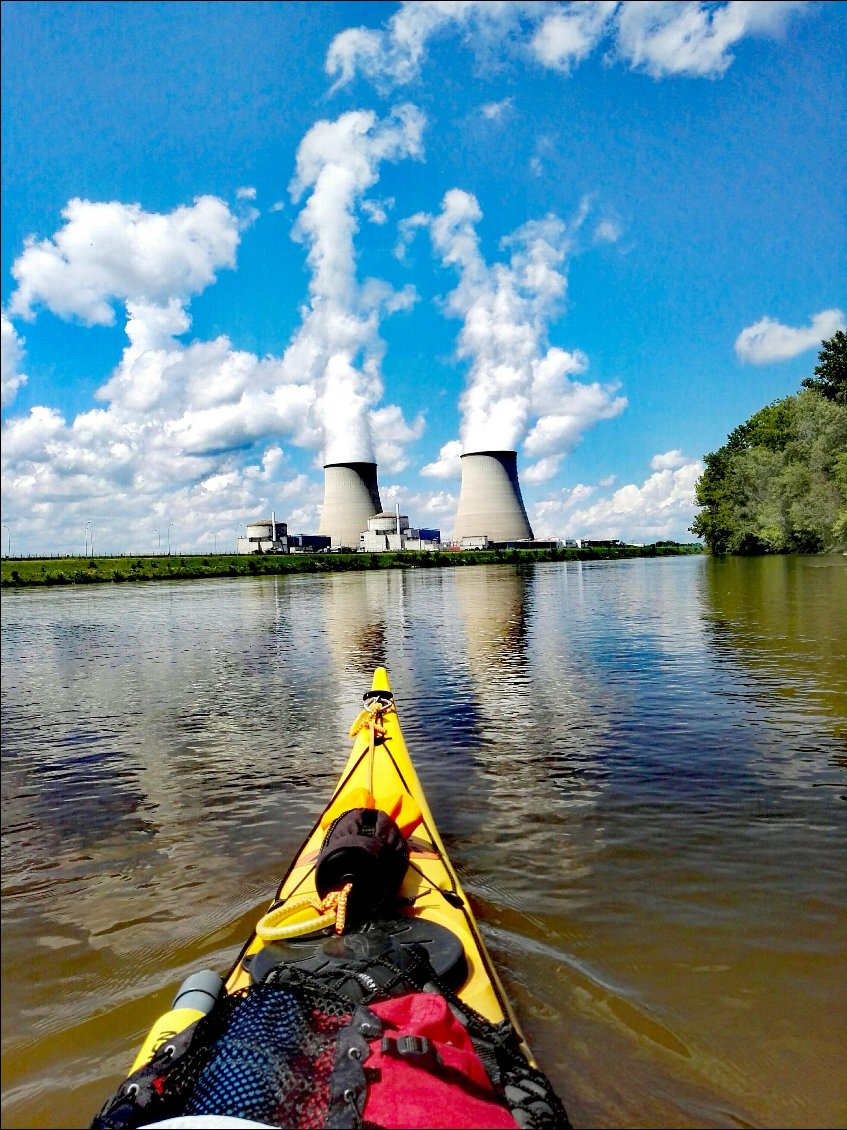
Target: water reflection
(535, 745)
(785, 620)
(634, 765)
(356, 606)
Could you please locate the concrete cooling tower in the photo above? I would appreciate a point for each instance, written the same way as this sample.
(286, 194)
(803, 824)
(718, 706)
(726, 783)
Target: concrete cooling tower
(490, 503)
(351, 496)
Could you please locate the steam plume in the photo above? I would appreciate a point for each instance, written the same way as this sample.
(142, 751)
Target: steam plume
(518, 388)
(337, 349)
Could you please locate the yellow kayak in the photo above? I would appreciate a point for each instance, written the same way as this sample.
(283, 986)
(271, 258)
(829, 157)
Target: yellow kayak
(370, 910)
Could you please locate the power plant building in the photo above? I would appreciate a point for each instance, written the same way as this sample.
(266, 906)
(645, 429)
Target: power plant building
(351, 497)
(264, 536)
(490, 503)
(388, 532)
(385, 532)
(490, 513)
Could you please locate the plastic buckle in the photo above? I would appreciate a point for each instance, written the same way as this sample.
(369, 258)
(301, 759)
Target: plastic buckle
(415, 1048)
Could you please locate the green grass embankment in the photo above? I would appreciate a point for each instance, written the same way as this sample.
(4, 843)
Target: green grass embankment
(25, 572)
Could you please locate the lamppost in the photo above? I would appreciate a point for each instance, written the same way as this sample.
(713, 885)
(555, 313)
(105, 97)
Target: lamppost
(9, 545)
(169, 537)
(156, 532)
(87, 528)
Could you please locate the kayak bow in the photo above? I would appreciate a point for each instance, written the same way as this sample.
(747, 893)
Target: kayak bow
(431, 890)
(393, 892)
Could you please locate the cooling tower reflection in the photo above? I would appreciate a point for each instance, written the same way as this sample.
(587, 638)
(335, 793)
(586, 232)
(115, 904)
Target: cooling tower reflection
(537, 718)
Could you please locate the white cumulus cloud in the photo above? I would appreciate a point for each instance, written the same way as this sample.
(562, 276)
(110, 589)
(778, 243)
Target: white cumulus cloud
(668, 460)
(392, 436)
(448, 465)
(395, 56)
(663, 506)
(568, 33)
(768, 340)
(109, 252)
(178, 422)
(660, 37)
(668, 37)
(543, 470)
(432, 510)
(11, 360)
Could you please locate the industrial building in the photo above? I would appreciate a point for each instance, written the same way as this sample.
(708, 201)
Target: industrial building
(269, 536)
(308, 543)
(490, 502)
(265, 536)
(387, 532)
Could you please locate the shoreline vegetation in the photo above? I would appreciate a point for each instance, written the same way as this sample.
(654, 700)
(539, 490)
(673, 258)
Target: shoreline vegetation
(779, 483)
(47, 571)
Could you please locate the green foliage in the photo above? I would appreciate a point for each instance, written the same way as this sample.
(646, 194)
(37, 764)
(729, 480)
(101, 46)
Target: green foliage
(62, 571)
(831, 371)
(779, 483)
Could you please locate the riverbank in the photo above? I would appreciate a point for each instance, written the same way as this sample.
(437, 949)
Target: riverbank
(26, 572)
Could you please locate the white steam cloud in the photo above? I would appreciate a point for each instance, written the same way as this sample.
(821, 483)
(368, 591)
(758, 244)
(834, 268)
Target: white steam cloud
(337, 350)
(518, 389)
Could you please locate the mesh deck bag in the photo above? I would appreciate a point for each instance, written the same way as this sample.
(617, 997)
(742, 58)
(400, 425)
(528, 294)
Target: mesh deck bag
(292, 1051)
(274, 1059)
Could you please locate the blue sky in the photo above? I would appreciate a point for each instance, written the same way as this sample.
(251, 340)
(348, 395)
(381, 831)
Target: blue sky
(242, 239)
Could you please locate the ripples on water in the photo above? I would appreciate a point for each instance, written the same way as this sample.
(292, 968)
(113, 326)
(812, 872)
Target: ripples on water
(636, 767)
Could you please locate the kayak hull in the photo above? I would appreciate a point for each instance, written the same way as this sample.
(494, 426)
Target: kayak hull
(431, 902)
(431, 890)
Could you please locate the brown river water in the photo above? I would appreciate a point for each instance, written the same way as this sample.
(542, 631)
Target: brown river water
(638, 768)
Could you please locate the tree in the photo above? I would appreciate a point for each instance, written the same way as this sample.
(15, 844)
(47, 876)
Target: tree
(831, 370)
(779, 483)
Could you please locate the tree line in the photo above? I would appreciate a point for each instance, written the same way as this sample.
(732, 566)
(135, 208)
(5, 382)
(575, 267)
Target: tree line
(779, 483)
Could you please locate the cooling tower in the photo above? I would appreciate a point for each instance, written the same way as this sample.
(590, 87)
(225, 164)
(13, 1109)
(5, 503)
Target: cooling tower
(351, 496)
(490, 503)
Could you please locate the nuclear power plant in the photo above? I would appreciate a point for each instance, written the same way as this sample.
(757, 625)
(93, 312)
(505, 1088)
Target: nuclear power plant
(490, 502)
(490, 515)
(351, 496)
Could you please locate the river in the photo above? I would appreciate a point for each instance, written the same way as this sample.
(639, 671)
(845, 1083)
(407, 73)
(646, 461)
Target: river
(637, 767)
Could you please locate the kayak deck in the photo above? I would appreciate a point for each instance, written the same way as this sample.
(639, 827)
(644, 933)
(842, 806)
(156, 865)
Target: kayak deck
(431, 891)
